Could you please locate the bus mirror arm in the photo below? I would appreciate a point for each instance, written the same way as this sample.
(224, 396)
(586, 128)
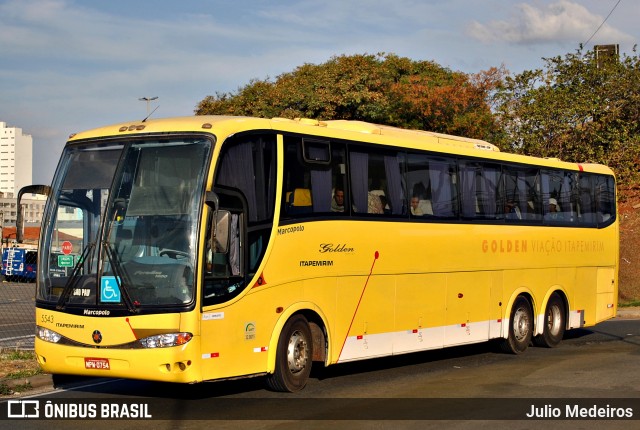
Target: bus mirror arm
(29, 189)
(212, 200)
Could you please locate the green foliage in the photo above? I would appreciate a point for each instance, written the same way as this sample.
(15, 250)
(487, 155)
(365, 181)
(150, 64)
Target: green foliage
(19, 355)
(629, 304)
(25, 373)
(575, 109)
(383, 89)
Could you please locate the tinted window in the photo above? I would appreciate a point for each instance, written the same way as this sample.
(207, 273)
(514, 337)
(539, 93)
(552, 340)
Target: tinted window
(314, 178)
(520, 194)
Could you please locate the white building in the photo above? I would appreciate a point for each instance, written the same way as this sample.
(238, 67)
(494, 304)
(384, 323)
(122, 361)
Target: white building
(32, 209)
(16, 159)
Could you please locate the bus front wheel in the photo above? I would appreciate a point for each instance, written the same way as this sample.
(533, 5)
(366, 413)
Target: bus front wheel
(520, 327)
(293, 357)
(554, 323)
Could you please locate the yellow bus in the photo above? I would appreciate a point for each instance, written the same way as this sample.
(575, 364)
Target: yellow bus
(209, 247)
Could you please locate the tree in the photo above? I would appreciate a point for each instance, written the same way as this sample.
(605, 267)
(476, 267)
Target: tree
(577, 110)
(383, 89)
(453, 103)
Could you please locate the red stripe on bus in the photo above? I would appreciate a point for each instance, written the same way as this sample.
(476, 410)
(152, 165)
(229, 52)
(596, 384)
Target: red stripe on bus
(375, 257)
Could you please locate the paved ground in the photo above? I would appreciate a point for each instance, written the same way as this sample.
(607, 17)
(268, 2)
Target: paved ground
(630, 312)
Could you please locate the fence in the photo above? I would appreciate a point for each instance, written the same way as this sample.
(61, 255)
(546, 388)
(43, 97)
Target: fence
(17, 313)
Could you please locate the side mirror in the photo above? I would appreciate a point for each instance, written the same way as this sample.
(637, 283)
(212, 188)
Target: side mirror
(220, 231)
(29, 189)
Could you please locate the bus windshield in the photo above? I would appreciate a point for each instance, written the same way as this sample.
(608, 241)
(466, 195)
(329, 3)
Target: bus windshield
(123, 224)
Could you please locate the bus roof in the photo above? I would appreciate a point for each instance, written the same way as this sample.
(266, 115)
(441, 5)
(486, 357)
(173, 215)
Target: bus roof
(223, 126)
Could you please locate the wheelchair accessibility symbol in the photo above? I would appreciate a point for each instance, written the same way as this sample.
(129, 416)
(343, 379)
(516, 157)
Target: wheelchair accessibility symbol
(109, 291)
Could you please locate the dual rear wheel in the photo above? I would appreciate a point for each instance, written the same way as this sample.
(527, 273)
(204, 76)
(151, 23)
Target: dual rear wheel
(554, 323)
(521, 325)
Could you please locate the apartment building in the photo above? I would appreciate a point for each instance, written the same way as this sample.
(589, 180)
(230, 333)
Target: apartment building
(16, 159)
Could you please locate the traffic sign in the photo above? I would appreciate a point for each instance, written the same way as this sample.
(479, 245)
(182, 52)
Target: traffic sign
(65, 260)
(67, 247)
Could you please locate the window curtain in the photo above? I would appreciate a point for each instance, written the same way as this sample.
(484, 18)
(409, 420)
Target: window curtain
(321, 190)
(320, 183)
(468, 186)
(237, 171)
(441, 197)
(489, 185)
(565, 195)
(359, 168)
(394, 183)
(522, 193)
(546, 193)
(586, 200)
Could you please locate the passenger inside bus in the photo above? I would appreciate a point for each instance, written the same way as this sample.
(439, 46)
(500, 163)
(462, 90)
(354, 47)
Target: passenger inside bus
(420, 205)
(415, 210)
(512, 211)
(374, 203)
(554, 213)
(337, 202)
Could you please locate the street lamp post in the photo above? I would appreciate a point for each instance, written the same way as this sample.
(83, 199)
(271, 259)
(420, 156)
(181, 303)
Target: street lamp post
(148, 100)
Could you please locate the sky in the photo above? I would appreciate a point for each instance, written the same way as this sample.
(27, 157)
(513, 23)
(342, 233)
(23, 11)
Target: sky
(70, 65)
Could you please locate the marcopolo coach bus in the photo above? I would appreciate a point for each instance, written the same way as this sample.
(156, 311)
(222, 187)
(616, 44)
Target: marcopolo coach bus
(209, 247)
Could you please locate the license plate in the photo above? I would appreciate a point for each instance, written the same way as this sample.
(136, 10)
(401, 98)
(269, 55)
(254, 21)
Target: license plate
(96, 363)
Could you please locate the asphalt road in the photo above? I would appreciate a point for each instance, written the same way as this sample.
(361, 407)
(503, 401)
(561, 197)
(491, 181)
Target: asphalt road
(465, 387)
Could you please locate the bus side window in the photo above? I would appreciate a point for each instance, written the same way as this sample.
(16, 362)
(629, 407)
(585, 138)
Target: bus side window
(307, 182)
(376, 182)
(479, 187)
(558, 202)
(533, 194)
(417, 177)
(248, 165)
(520, 193)
(444, 189)
(605, 197)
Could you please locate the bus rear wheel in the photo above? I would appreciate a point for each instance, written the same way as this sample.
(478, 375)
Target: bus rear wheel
(520, 327)
(293, 357)
(554, 323)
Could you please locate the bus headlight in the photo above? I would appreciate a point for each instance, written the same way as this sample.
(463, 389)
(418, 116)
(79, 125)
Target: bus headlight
(48, 335)
(165, 340)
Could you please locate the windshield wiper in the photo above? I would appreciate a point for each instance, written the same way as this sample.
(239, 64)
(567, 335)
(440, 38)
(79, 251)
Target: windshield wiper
(73, 279)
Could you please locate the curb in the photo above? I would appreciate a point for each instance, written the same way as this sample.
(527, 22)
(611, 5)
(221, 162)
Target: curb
(628, 312)
(29, 383)
(35, 381)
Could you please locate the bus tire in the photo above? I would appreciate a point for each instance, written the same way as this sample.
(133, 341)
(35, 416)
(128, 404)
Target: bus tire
(520, 327)
(554, 323)
(293, 357)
